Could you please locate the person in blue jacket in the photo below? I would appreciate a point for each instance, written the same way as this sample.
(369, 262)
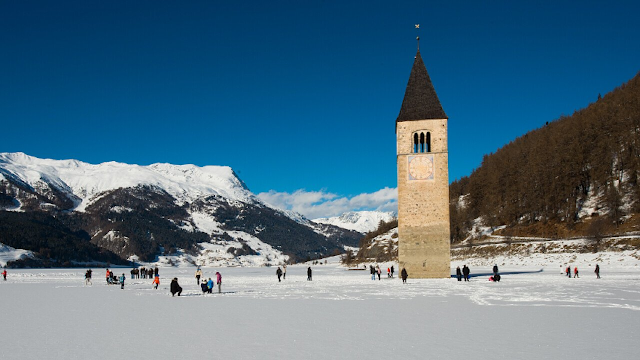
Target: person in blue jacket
(210, 286)
(122, 277)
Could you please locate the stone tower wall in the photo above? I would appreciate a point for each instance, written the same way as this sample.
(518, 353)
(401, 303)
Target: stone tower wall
(423, 205)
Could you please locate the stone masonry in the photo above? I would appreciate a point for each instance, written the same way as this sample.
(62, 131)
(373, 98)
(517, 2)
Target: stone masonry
(423, 205)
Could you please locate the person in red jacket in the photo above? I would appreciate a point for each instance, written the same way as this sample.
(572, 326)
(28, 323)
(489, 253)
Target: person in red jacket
(156, 282)
(575, 272)
(4, 274)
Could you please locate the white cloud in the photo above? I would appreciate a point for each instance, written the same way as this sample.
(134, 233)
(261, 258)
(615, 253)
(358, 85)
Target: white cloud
(318, 204)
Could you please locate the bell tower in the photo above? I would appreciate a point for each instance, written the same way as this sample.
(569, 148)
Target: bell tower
(423, 179)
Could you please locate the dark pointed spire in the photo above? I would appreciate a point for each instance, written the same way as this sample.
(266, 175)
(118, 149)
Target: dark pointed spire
(420, 98)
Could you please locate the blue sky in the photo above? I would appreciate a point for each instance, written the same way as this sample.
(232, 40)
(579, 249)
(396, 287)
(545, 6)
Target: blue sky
(298, 97)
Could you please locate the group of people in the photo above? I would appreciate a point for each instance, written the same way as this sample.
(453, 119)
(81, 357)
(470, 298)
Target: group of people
(282, 273)
(376, 271)
(576, 273)
(567, 272)
(207, 286)
(111, 278)
(144, 273)
(465, 272)
(175, 288)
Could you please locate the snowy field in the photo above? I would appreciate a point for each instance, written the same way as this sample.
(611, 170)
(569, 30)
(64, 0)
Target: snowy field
(51, 314)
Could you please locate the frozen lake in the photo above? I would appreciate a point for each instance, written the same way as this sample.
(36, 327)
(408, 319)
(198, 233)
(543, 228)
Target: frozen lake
(51, 314)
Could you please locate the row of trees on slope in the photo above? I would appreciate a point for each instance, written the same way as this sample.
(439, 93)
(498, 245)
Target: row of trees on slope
(547, 175)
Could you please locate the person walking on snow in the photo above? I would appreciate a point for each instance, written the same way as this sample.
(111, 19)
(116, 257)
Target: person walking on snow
(284, 272)
(391, 270)
(87, 277)
(378, 271)
(108, 276)
(404, 275)
(309, 273)
(122, 278)
(198, 275)
(466, 271)
(373, 272)
(4, 274)
(219, 281)
(459, 273)
(575, 272)
(156, 282)
(597, 271)
(568, 271)
(209, 286)
(279, 273)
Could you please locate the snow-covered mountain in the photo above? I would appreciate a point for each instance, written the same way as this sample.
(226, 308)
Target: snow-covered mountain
(360, 221)
(203, 215)
(83, 182)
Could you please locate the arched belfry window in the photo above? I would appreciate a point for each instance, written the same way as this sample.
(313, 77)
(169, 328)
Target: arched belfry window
(422, 142)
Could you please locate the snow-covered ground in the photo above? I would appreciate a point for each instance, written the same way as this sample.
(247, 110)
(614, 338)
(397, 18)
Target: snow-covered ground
(341, 314)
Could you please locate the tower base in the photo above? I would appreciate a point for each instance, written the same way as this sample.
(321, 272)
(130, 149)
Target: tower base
(425, 251)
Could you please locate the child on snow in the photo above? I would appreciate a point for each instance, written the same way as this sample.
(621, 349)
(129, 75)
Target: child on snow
(210, 286)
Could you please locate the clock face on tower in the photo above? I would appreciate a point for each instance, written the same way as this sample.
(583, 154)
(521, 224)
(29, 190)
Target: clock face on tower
(421, 167)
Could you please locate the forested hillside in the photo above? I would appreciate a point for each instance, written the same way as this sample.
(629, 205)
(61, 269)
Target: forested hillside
(556, 180)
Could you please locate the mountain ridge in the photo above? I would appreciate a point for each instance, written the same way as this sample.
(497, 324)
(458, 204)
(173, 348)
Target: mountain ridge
(147, 212)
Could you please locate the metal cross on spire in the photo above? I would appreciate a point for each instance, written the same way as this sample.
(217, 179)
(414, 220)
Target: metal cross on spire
(418, 37)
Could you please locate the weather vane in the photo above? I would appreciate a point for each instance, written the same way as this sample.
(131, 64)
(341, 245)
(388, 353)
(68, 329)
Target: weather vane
(418, 37)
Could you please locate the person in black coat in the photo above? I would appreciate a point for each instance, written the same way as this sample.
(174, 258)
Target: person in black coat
(309, 273)
(204, 287)
(404, 275)
(495, 269)
(279, 273)
(459, 273)
(175, 288)
(465, 272)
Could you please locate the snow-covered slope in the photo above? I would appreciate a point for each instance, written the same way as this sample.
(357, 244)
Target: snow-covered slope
(205, 213)
(360, 221)
(85, 181)
(7, 253)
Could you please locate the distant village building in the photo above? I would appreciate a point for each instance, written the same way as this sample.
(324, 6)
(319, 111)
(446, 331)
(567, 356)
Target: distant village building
(423, 179)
